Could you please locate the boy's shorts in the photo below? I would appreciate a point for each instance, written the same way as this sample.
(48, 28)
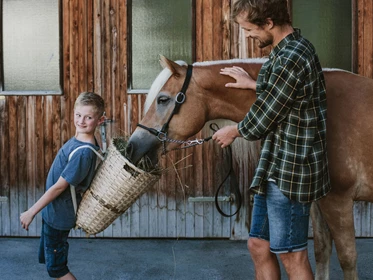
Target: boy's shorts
(53, 250)
(281, 221)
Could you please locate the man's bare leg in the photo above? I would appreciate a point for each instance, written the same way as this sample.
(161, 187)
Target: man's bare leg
(265, 262)
(297, 265)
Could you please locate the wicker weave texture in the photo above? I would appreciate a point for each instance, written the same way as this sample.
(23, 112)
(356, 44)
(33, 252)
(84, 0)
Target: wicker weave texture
(116, 186)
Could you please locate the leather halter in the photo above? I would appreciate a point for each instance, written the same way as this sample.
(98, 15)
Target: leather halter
(179, 100)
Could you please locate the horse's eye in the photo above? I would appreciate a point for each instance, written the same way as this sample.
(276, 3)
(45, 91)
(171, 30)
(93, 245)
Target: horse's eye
(162, 100)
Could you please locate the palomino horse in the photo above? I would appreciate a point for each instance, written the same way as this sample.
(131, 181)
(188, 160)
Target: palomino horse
(174, 116)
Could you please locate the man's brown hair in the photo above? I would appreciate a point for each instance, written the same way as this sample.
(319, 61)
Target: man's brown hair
(258, 11)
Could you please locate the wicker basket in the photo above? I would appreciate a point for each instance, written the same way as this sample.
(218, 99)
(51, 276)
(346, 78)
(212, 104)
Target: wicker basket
(116, 186)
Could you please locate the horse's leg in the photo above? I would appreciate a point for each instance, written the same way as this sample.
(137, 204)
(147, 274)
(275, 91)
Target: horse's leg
(338, 213)
(322, 243)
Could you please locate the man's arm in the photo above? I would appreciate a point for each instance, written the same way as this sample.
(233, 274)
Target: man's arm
(226, 135)
(274, 102)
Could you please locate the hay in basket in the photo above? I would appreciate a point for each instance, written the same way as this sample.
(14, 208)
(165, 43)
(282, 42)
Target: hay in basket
(116, 186)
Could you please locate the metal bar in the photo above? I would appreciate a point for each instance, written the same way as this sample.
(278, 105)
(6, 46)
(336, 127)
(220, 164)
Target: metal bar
(209, 199)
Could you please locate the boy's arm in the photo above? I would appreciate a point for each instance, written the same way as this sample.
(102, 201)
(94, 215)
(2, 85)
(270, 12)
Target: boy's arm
(51, 194)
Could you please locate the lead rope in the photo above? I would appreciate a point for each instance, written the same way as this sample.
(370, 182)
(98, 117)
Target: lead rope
(237, 194)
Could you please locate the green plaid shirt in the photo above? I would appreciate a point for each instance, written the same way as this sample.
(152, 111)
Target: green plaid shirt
(289, 116)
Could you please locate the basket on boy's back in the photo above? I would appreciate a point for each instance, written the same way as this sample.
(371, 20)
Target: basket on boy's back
(116, 186)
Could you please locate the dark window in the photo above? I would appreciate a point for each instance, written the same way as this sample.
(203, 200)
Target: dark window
(328, 25)
(158, 27)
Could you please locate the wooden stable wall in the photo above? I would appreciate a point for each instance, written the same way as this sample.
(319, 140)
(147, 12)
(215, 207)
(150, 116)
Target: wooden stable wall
(94, 58)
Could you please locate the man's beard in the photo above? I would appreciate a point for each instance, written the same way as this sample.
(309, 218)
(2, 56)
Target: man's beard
(266, 43)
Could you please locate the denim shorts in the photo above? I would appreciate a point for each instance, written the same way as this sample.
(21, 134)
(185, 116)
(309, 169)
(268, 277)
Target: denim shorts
(281, 221)
(53, 250)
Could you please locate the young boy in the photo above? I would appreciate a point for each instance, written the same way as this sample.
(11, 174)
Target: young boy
(58, 212)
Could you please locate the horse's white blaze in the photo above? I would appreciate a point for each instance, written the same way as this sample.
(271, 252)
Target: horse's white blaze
(157, 85)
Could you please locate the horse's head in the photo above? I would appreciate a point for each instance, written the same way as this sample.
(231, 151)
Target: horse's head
(162, 121)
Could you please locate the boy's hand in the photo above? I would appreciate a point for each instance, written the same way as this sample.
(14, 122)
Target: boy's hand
(26, 219)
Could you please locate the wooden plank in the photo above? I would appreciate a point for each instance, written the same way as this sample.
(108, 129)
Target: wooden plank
(122, 64)
(190, 188)
(106, 58)
(367, 218)
(82, 45)
(358, 218)
(217, 31)
(368, 44)
(360, 36)
(39, 160)
(144, 221)
(226, 26)
(66, 71)
(181, 192)
(135, 220)
(135, 113)
(97, 56)
(168, 184)
(355, 35)
(31, 159)
(207, 38)
(89, 20)
(48, 133)
(21, 157)
(199, 29)
(153, 212)
(161, 197)
(74, 64)
(5, 228)
(115, 63)
(13, 167)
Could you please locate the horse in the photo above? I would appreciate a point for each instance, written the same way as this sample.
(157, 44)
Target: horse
(174, 115)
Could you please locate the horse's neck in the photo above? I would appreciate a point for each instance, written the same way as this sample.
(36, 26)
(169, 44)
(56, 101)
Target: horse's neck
(226, 103)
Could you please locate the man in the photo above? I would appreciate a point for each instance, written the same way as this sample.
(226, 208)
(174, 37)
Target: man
(289, 116)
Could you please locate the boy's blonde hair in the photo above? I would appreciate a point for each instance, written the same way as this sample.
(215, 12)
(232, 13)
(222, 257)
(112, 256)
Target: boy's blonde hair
(91, 99)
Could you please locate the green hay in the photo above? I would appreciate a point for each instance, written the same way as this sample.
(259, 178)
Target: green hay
(120, 142)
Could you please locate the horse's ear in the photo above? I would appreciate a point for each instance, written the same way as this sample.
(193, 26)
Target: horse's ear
(171, 65)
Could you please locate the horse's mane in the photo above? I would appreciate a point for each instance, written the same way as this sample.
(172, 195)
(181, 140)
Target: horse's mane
(232, 61)
(335, 69)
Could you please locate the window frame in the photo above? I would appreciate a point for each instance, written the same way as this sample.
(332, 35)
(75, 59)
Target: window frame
(32, 92)
(130, 90)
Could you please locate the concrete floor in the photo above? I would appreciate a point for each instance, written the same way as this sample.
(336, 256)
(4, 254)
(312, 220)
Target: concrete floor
(143, 259)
